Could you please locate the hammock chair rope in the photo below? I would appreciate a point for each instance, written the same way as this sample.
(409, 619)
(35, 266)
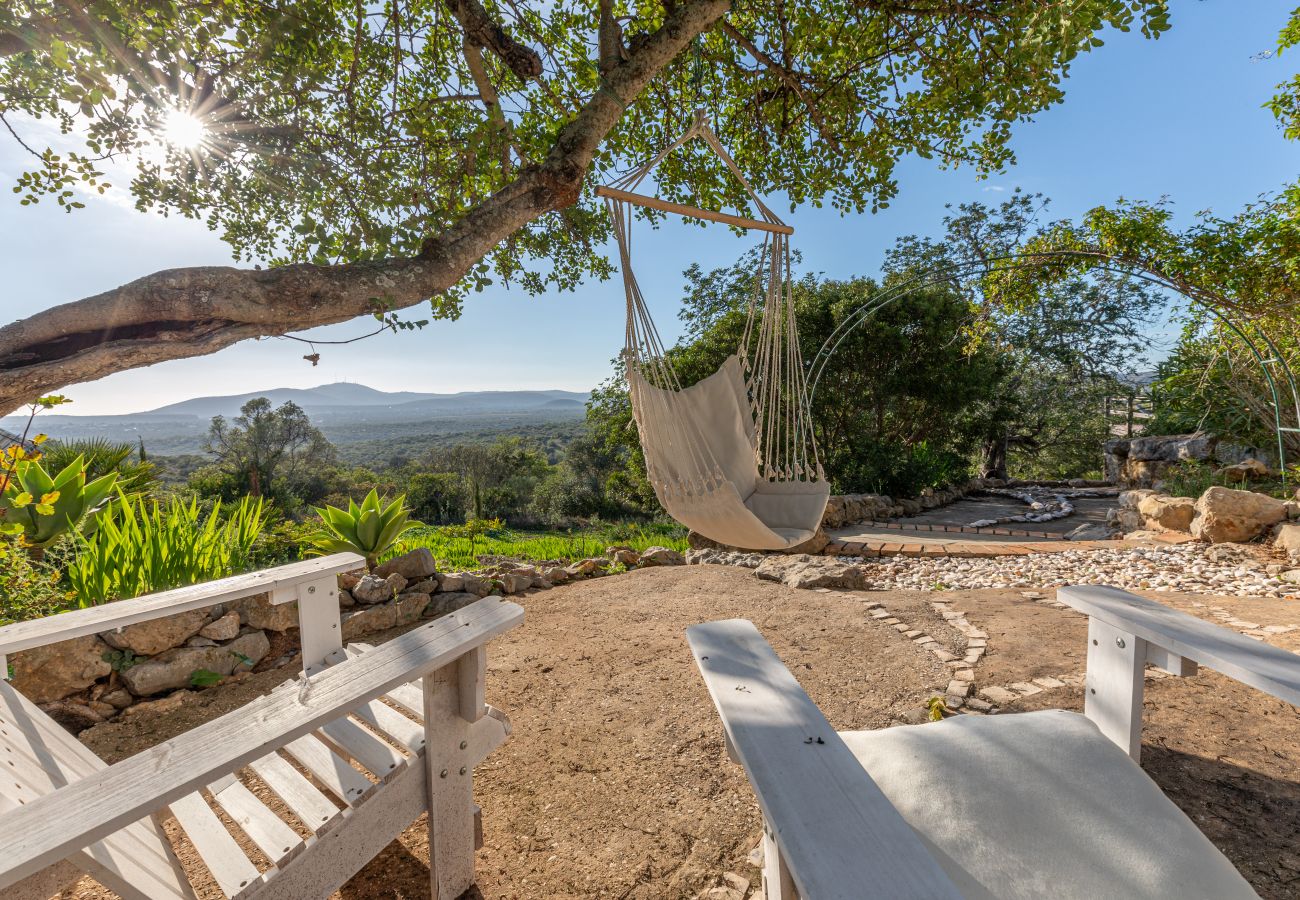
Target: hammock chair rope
(733, 456)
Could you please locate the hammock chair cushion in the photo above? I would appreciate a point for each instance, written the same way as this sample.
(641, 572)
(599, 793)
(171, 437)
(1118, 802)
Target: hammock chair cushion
(741, 509)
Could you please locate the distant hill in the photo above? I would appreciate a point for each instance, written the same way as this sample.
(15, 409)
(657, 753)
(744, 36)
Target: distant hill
(344, 411)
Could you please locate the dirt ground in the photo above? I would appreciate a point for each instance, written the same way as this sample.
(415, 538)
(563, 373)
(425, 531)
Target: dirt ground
(615, 783)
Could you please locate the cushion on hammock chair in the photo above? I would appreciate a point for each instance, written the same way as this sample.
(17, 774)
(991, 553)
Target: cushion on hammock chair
(711, 420)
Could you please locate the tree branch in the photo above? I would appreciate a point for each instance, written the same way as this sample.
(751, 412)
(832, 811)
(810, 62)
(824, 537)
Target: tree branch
(183, 313)
(788, 78)
(480, 28)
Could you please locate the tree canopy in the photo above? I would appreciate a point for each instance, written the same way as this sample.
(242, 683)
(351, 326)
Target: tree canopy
(382, 155)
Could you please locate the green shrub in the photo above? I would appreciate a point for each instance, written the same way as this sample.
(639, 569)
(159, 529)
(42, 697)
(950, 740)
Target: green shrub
(102, 457)
(145, 546)
(42, 508)
(460, 546)
(30, 588)
(368, 529)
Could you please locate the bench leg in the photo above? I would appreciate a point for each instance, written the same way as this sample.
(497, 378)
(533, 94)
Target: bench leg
(777, 883)
(1113, 696)
(451, 695)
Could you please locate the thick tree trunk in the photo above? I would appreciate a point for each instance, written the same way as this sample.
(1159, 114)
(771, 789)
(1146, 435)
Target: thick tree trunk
(993, 458)
(182, 313)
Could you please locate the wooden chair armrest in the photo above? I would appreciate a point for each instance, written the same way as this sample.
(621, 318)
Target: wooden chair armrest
(1270, 669)
(62, 627)
(47, 830)
(835, 830)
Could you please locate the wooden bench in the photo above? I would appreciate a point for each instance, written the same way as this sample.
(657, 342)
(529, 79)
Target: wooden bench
(1045, 803)
(288, 796)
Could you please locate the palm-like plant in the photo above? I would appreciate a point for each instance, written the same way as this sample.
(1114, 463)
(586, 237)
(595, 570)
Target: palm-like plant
(368, 529)
(42, 508)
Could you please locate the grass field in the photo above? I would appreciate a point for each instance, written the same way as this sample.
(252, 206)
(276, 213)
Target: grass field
(459, 547)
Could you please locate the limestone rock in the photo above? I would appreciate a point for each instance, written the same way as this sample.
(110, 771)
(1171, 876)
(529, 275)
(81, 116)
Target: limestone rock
(452, 582)
(423, 586)
(156, 635)
(541, 583)
(222, 629)
(1287, 540)
(348, 580)
(513, 582)
(450, 602)
(410, 606)
(473, 584)
(1224, 514)
(173, 668)
(54, 671)
(1088, 532)
(1133, 499)
(1246, 470)
(346, 600)
(259, 612)
(413, 566)
(1161, 512)
(118, 699)
(367, 619)
(162, 705)
(589, 567)
(73, 716)
(662, 556)
(556, 574)
(803, 571)
(200, 641)
(815, 544)
(624, 556)
(372, 589)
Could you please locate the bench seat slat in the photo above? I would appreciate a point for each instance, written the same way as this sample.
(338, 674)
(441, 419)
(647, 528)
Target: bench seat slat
(267, 830)
(837, 831)
(330, 769)
(311, 807)
(377, 756)
(231, 869)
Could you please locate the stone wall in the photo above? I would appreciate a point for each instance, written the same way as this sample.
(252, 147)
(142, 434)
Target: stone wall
(160, 663)
(852, 509)
(1141, 462)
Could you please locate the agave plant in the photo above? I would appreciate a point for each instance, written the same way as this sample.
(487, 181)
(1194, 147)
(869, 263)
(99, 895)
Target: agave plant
(368, 529)
(42, 508)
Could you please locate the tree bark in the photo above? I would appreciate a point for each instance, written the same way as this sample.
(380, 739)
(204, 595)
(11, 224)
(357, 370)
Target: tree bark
(182, 313)
(993, 458)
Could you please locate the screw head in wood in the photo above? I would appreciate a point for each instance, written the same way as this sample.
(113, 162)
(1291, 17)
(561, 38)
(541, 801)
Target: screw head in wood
(464, 744)
(442, 774)
(462, 770)
(1119, 642)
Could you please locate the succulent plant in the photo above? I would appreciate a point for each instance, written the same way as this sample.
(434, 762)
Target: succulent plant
(42, 508)
(368, 529)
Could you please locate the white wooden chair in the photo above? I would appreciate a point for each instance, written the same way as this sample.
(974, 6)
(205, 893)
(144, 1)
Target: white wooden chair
(1039, 804)
(340, 760)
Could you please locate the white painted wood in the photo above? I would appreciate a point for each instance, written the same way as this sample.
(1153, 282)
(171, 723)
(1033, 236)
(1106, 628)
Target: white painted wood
(1270, 669)
(230, 868)
(1113, 684)
(450, 774)
(392, 725)
(837, 832)
(4, 667)
(266, 830)
(363, 747)
(96, 806)
(472, 677)
(330, 769)
(319, 626)
(37, 632)
(312, 808)
(37, 757)
(777, 882)
(1170, 662)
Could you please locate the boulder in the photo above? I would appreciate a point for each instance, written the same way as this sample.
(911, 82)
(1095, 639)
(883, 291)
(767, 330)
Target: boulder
(413, 566)
(452, 582)
(52, 672)
(473, 584)
(1133, 499)
(118, 699)
(556, 574)
(368, 619)
(200, 641)
(372, 589)
(514, 582)
(223, 629)
(662, 556)
(624, 556)
(1224, 514)
(1287, 540)
(1246, 470)
(156, 635)
(173, 668)
(348, 580)
(815, 544)
(346, 600)
(541, 583)
(804, 571)
(75, 717)
(450, 602)
(410, 606)
(161, 706)
(259, 612)
(1160, 512)
(1089, 532)
(590, 566)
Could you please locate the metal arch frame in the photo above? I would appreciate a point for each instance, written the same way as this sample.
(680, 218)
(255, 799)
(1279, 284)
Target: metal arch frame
(1101, 262)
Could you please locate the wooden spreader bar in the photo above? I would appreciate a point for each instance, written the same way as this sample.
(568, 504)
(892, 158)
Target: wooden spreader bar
(693, 212)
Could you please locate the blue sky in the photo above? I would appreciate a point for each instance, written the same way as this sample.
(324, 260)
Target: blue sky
(1178, 117)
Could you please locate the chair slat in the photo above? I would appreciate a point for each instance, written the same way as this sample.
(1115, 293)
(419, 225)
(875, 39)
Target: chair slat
(330, 769)
(233, 871)
(311, 807)
(271, 835)
(410, 697)
(400, 729)
(364, 747)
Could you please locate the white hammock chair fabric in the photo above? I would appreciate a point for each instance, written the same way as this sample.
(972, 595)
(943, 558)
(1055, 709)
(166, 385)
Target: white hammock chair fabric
(732, 457)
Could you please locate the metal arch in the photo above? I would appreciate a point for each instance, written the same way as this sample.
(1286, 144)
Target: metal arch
(932, 277)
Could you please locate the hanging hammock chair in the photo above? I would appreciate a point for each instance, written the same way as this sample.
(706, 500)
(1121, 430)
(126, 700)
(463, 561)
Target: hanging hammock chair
(731, 457)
